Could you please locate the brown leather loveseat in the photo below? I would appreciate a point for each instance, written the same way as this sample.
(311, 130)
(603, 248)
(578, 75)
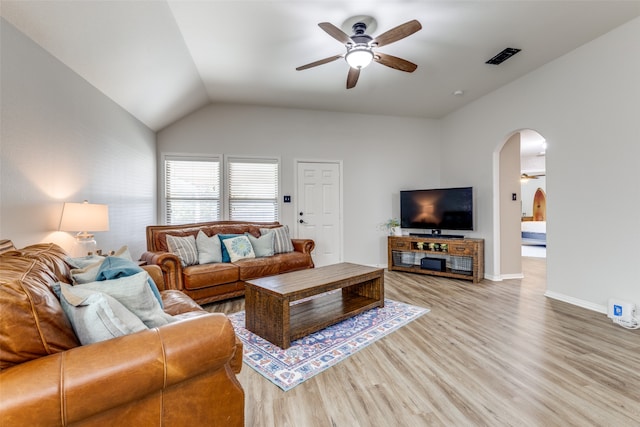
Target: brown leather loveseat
(216, 281)
(178, 374)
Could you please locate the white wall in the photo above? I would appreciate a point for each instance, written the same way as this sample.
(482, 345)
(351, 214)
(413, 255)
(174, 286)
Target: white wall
(528, 191)
(381, 155)
(586, 105)
(63, 140)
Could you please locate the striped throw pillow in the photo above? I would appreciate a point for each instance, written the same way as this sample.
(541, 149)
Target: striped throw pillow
(185, 247)
(281, 239)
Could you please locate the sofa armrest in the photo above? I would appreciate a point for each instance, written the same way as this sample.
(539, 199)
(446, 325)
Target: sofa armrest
(68, 387)
(169, 264)
(303, 245)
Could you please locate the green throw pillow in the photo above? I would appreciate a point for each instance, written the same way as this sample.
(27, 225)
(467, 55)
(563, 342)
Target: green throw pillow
(209, 249)
(263, 245)
(96, 316)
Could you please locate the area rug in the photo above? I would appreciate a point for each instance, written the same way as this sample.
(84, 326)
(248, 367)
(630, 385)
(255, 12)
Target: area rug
(319, 351)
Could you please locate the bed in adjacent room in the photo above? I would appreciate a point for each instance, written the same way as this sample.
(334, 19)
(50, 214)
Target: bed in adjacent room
(534, 233)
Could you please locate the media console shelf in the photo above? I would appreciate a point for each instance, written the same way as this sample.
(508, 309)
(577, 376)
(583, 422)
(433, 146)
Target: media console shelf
(455, 258)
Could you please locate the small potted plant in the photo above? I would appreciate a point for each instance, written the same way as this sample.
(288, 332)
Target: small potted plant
(392, 227)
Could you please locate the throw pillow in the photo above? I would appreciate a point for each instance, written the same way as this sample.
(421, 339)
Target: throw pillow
(114, 268)
(89, 270)
(134, 293)
(225, 253)
(239, 248)
(185, 247)
(209, 249)
(96, 316)
(263, 245)
(281, 239)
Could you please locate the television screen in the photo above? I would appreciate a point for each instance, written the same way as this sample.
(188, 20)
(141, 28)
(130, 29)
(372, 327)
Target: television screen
(437, 209)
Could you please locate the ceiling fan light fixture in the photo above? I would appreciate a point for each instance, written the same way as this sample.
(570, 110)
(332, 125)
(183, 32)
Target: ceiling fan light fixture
(359, 57)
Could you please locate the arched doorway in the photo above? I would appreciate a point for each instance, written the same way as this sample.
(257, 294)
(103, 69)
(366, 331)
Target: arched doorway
(519, 158)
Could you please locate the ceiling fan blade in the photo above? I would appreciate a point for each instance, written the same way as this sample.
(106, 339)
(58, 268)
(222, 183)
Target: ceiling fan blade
(352, 77)
(397, 33)
(335, 32)
(395, 62)
(320, 62)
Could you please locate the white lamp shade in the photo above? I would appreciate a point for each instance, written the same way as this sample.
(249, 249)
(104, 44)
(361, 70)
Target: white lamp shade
(84, 217)
(359, 57)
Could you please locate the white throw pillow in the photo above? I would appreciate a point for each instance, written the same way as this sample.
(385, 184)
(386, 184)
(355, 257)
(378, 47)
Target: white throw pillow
(239, 248)
(209, 249)
(185, 247)
(135, 294)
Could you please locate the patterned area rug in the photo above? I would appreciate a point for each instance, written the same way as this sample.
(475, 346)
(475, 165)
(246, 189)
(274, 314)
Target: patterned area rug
(314, 353)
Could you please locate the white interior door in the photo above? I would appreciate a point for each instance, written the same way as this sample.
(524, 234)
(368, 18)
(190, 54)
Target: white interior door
(319, 212)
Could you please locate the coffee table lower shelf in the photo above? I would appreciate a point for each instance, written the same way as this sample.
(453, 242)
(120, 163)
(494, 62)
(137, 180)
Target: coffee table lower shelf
(325, 310)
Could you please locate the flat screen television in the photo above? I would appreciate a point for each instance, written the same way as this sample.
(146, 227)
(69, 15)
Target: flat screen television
(437, 209)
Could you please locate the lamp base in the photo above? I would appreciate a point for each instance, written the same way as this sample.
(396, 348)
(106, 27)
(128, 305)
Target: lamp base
(84, 245)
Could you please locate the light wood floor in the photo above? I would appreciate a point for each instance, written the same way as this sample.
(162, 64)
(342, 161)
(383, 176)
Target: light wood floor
(490, 354)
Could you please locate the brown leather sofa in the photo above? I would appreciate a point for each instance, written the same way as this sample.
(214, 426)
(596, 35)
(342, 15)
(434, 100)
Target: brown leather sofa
(207, 283)
(180, 374)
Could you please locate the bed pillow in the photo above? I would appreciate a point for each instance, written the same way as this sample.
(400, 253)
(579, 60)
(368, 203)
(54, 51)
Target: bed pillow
(239, 248)
(281, 239)
(225, 253)
(185, 247)
(134, 293)
(96, 316)
(209, 249)
(263, 245)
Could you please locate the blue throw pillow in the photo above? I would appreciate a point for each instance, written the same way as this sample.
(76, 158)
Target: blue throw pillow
(225, 253)
(115, 268)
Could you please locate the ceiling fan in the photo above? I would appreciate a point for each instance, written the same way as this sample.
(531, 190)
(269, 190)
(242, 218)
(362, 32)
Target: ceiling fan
(361, 48)
(525, 177)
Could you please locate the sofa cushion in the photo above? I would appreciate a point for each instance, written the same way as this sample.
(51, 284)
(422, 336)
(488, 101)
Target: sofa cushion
(239, 248)
(50, 254)
(207, 275)
(209, 249)
(263, 245)
(185, 247)
(96, 316)
(291, 261)
(281, 239)
(32, 322)
(6, 245)
(135, 294)
(252, 268)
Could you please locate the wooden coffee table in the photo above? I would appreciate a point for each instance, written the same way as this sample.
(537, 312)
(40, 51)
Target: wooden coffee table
(271, 314)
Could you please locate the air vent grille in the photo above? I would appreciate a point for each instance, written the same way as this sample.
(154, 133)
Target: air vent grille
(503, 56)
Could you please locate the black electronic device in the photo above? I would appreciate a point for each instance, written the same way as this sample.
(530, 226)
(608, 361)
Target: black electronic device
(435, 264)
(437, 209)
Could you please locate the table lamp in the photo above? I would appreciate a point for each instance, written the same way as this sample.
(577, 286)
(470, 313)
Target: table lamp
(83, 218)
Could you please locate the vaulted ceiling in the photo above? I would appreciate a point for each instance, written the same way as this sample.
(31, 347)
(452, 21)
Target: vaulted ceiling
(162, 59)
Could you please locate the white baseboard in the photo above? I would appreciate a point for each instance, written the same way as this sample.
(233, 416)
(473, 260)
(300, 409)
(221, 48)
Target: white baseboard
(575, 301)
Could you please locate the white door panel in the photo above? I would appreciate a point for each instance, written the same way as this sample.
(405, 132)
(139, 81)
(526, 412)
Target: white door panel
(319, 210)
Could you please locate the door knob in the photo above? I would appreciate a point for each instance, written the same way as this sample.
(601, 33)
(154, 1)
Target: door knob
(301, 221)
(301, 213)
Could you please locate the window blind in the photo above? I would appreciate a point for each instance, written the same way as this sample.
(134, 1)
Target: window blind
(192, 190)
(253, 189)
